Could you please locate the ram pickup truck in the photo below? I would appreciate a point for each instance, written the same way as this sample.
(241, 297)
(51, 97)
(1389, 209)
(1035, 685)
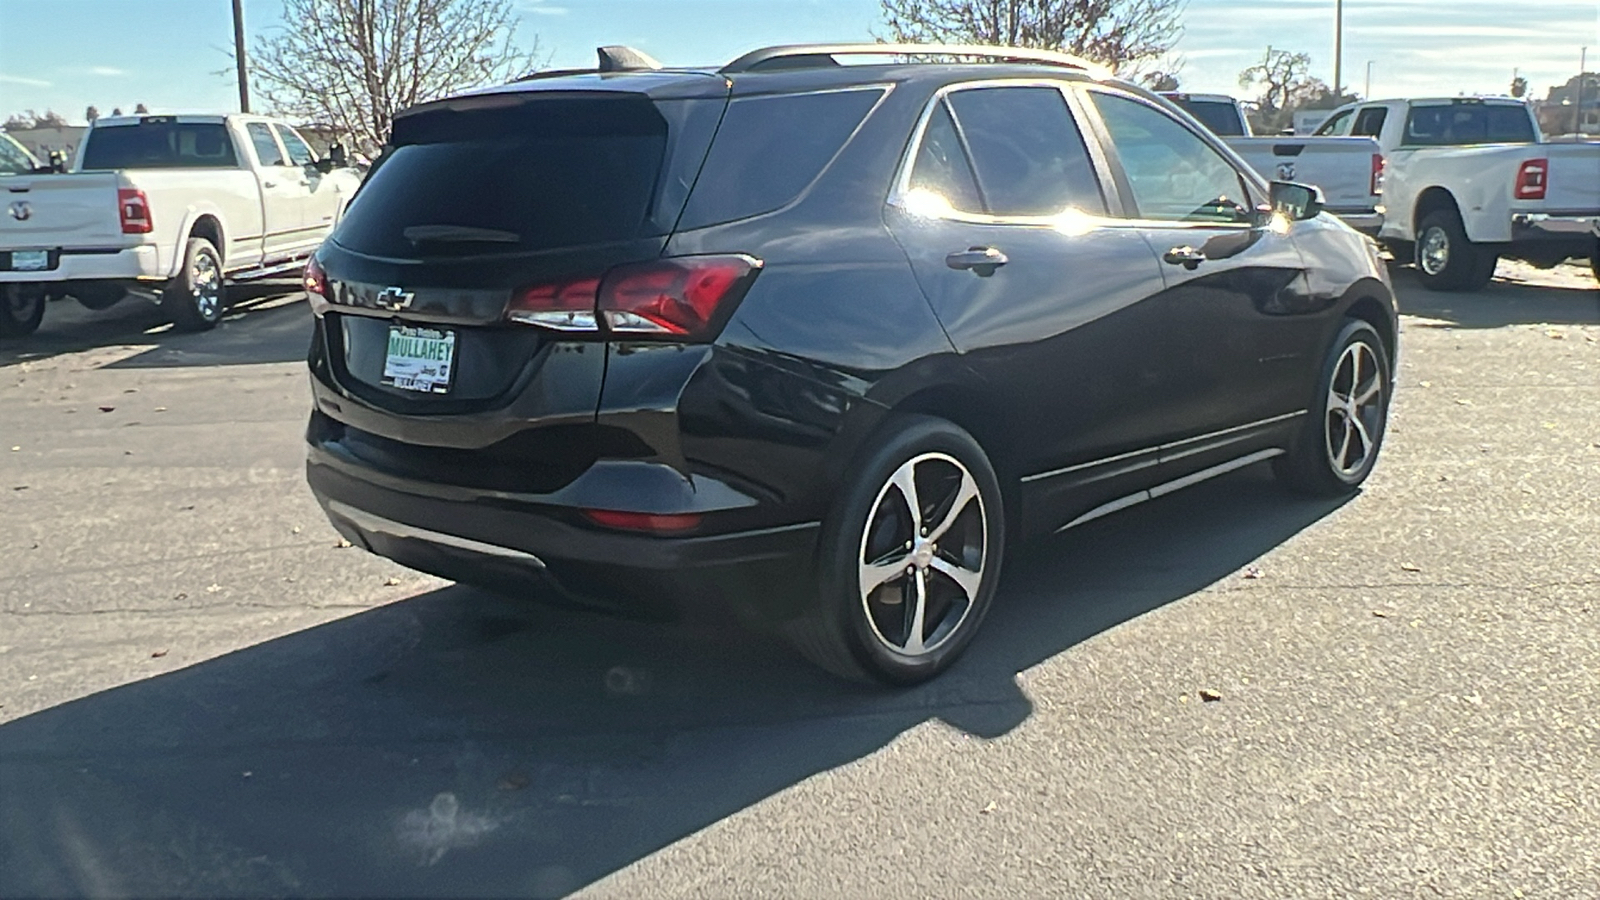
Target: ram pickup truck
(168, 208)
(1348, 170)
(1469, 180)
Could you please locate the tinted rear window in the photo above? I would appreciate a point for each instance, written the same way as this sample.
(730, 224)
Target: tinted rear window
(1468, 123)
(543, 172)
(160, 145)
(1222, 118)
(769, 149)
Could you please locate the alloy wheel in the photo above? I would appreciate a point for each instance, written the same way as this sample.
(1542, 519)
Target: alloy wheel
(922, 555)
(206, 279)
(1434, 252)
(1355, 409)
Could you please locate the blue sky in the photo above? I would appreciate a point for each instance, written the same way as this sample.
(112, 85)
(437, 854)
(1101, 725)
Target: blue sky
(67, 54)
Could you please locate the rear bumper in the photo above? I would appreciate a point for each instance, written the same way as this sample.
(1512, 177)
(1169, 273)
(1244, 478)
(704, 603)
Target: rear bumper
(1555, 226)
(141, 263)
(541, 546)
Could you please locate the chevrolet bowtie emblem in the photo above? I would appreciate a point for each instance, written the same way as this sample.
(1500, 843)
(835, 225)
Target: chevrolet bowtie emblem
(393, 298)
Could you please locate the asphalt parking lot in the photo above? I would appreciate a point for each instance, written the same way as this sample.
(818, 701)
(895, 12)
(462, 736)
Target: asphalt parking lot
(203, 694)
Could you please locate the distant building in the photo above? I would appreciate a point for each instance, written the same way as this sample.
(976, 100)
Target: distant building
(42, 141)
(1560, 113)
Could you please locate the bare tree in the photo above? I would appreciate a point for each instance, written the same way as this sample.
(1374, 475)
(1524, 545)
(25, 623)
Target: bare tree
(1160, 81)
(1114, 32)
(1279, 73)
(1519, 86)
(139, 109)
(91, 114)
(30, 120)
(355, 63)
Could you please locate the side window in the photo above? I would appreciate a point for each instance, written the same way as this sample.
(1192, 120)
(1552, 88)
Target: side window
(769, 149)
(266, 148)
(1338, 125)
(1369, 123)
(299, 153)
(1029, 157)
(1175, 176)
(941, 165)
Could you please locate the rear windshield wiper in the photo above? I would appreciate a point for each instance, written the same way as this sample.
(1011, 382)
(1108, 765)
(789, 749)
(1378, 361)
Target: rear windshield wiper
(459, 234)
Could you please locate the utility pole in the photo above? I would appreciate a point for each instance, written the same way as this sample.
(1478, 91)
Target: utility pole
(238, 55)
(1583, 63)
(1338, 48)
(1367, 93)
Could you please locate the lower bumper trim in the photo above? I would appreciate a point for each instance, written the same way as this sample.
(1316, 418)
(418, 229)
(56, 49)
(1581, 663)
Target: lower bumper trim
(368, 522)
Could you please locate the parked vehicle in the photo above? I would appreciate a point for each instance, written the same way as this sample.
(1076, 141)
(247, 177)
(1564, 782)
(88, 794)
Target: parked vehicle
(1349, 170)
(1470, 180)
(169, 208)
(15, 158)
(819, 342)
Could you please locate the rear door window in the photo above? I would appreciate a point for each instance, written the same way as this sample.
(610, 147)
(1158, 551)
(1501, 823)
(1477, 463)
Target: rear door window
(1026, 149)
(769, 149)
(159, 144)
(526, 173)
(1338, 125)
(1468, 123)
(942, 168)
(267, 152)
(299, 153)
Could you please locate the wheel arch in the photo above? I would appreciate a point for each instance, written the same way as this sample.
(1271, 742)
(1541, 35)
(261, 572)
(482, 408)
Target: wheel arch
(968, 410)
(208, 226)
(1430, 201)
(1367, 307)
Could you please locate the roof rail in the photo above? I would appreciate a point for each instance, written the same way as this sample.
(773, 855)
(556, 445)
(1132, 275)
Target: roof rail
(812, 54)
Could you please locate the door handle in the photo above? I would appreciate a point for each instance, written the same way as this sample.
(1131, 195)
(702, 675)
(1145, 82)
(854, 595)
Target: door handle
(269, 184)
(1185, 256)
(981, 261)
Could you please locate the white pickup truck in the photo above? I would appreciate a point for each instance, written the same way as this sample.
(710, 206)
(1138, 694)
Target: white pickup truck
(169, 208)
(1348, 170)
(1469, 180)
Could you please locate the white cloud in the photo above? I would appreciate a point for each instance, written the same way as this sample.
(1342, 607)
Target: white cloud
(539, 8)
(106, 70)
(18, 79)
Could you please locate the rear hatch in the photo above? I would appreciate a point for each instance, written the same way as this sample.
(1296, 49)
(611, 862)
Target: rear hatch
(481, 199)
(1347, 169)
(51, 212)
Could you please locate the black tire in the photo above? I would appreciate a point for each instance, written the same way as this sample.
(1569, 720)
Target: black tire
(98, 297)
(1446, 260)
(1594, 261)
(1315, 465)
(848, 631)
(197, 297)
(21, 309)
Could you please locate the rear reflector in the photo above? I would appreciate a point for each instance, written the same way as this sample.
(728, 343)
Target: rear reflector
(1531, 179)
(636, 521)
(685, 297)
(315, 282)
(133, 208)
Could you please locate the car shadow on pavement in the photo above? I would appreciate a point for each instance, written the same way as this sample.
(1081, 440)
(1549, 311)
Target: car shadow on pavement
(266, 322)
(1504, 301)
(462, 744)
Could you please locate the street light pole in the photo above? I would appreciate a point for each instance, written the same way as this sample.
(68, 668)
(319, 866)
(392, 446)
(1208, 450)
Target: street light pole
(1583, 63)
(1338, 47)
(1367, 93)
(238, 55)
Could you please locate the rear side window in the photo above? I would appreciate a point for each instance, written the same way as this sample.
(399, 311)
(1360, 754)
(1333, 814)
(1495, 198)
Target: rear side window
(266, 148)
(299, 153)
(1338, 125)
(522, 174)
(160, 145)
(942, 167)
(1219, 116)
(1468, 123)
(1369, 123)
(1029, 156)
(770, 149)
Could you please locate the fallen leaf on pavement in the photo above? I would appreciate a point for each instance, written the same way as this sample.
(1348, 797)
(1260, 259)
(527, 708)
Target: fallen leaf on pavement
(341, 543)
(15, 449)
(1427, 384)
(295, 530)
(1380, 614)
(391, 582)
(213, 588)
(1410, 567)
(1209, 695)
(1552, 333)
(20, 487)
(107, 408)
(1463, 402)
(161, 409)
(180, 596)
(158, 654)
(991, 807)
(1252, 572)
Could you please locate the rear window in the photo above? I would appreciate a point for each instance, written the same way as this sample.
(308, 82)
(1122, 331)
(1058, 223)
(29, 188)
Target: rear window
(520, 174)
(770, 149)
(160, 145)
(1468, 123)
(1221, 117)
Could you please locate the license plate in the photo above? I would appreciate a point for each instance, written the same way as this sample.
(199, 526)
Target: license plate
(30, 260)
(420, 359)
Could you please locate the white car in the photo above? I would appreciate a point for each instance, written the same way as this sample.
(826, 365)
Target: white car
(169, 208)
(1469, 180)
(1349, 170)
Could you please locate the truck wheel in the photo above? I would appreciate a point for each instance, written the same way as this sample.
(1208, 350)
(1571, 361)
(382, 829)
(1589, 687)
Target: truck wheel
(1594, 261)
(21, 309)
(196, 298)
(1446, 259)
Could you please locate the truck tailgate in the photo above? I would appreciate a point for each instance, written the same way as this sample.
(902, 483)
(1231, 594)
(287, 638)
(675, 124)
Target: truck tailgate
(54, 211)
(1574, 180)
(1341, 166)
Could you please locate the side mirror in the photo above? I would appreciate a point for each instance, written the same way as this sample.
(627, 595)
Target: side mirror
(1297, 201)
(337, 156)
(323, 165)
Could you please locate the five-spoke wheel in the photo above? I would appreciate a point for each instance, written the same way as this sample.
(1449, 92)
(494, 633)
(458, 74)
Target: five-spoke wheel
(1344, 429)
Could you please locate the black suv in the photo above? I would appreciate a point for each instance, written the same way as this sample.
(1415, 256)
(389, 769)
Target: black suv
(811, 341)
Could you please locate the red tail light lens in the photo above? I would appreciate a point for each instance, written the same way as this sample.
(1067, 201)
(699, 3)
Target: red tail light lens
(636, 521)
(564, 306)
(1531, 179)
(315, 282)
(133, 208)
(1377, 173)
(689, 296)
